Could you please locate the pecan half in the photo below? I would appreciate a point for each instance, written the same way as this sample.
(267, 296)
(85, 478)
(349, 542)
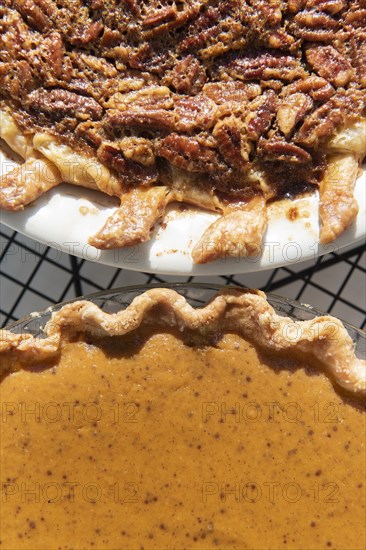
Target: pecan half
(155, 119)
(318, 88)
(130, 172)
(314, 26)
(57, 104)
(88, 35)
(229, 142)
(291, 110)
(187, 77)
(276, 149)
(262, 113)
(194, 113)
(270, 12)
(186, 152)
(330, 64)
(312, 19)
(329, 6)
(110, 37)
(357, 17)
(215, 31)
(166, 18)
(223, 93)
(358, 55)
(344, 106)
(138, 150)
(149, 97)
(160, 17)
(16, 78)
(33, 14)
(89, 133)
(265, 66)
(294, 6)
(48, 58)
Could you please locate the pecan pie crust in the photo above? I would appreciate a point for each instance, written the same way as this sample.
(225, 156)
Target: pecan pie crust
(224, 105)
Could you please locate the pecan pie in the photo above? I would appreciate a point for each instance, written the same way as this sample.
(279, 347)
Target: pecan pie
(222, 104)
(167, 427)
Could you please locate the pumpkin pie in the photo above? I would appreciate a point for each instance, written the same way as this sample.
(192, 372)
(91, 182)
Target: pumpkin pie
(163, 426)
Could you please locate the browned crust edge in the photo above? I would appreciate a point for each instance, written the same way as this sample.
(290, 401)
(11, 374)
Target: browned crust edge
(247, 312)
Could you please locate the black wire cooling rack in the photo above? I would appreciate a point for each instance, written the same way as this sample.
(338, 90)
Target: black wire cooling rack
(34, 276)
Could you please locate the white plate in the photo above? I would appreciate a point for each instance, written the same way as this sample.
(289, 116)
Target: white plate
(65, 217)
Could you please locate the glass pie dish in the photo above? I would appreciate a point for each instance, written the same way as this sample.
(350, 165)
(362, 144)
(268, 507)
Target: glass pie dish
(190, 416)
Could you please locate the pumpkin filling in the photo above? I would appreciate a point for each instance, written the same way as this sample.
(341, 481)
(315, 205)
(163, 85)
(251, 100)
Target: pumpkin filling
(159, 440)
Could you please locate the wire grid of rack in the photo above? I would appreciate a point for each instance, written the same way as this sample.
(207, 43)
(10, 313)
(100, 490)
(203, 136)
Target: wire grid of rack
(34, 276)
